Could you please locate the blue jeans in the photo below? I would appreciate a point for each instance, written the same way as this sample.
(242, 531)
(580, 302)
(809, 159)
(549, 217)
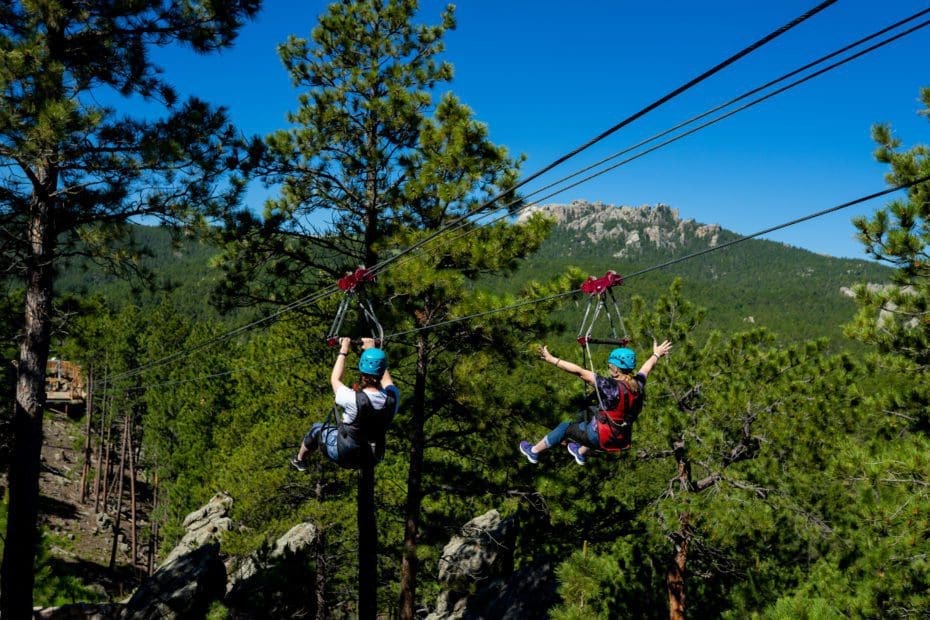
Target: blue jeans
(323, 437)
(584, 433)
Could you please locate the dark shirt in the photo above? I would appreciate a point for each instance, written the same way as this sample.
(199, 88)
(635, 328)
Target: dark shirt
(609, 390)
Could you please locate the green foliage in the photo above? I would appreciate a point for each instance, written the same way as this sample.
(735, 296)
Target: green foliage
(74, 172)
(175, 269)
(788, 473)
(726, 451)
(792, 292)
(53, 587)
(353, 153)
(589, 580)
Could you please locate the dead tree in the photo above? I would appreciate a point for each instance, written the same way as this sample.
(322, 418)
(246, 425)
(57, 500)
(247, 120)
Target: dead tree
(132, 487)
(88, 433)
(119, 493)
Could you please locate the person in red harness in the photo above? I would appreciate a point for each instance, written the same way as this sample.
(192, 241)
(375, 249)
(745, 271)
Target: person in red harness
(619, 401)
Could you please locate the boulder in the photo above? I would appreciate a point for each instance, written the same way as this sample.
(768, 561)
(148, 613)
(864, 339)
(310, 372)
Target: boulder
(476, 573)
(483, 549)
(292, 545)
(204, 526)
(182, 588)
(481, 552)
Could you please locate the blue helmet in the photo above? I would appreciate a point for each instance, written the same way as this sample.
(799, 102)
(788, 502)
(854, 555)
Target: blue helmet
(622, 358)
(372, 362)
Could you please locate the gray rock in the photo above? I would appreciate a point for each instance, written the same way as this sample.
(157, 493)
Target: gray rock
(481, 552)
(204, 526)
(476, 571)
(629, 228)
(182, 588)
(295, 542)
(483, 549)
(104, 522)
(80, 611)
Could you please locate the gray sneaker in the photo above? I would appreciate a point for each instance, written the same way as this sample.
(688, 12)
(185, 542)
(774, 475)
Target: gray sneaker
(299, 465)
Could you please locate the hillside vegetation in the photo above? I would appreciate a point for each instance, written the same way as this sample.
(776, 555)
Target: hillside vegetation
(795, 293)
(776, 469)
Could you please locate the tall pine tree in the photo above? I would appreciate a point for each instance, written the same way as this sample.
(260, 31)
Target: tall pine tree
(374, 161)
(72, 169)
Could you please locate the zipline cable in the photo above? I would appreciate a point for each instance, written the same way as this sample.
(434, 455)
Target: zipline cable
(604, 134)
(538, 300)
(707, 123)
(752, 92)
(787, 224)
(381, 265)
(681, 259)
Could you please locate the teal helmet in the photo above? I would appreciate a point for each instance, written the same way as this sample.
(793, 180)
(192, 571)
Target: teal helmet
(622, 358)
(372, 362)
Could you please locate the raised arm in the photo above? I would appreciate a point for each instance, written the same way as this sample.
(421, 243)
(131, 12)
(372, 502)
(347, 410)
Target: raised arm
(658, 350)
(573, 369)
(339, 366)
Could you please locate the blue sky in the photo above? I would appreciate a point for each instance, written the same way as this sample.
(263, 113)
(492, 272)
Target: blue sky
(546, 76)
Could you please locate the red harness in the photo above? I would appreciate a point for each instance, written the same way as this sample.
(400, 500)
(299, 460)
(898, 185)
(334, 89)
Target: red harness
(615, 426)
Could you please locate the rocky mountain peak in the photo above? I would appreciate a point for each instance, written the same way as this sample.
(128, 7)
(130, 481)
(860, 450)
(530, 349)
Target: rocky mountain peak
(627, 228)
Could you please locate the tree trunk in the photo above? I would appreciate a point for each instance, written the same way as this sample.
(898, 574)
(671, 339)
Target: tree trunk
(117, 518)
(17, 576)
(132, 491)
(153, 541)
(100, 447)
(107, 460)
(320, 575)
(367, 540)
(88, 433)
(675, 574)
(409, 562)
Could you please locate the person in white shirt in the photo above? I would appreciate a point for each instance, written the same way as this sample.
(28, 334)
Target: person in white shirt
(368, 408)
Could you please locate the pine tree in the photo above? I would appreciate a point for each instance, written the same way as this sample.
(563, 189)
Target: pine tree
(366, 78)
(376, 157)
(719, 483)
(882, 566)
(895, 317)
(74, 169)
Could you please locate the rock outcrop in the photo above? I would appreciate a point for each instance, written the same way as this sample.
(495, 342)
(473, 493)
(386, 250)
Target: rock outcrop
(205, 525)
(182, 588)
(194, 574)
(628, 228)
(476, 572)
(293, 544)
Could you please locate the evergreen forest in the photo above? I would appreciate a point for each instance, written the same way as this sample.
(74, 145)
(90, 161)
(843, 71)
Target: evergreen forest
(779, 468)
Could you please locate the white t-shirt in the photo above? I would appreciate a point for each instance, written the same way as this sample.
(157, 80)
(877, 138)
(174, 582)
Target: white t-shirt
(345, 398)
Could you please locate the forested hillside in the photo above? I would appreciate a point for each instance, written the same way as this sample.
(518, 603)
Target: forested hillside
(796, 294)
(779, 427)
(165, 266)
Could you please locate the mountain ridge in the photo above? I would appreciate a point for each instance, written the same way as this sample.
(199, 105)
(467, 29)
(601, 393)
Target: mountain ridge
(796, 293)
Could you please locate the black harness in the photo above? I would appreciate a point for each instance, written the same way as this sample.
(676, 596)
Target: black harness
(368, 428)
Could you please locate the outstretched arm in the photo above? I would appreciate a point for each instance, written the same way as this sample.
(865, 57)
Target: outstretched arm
(658, 350)
(573, 369)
